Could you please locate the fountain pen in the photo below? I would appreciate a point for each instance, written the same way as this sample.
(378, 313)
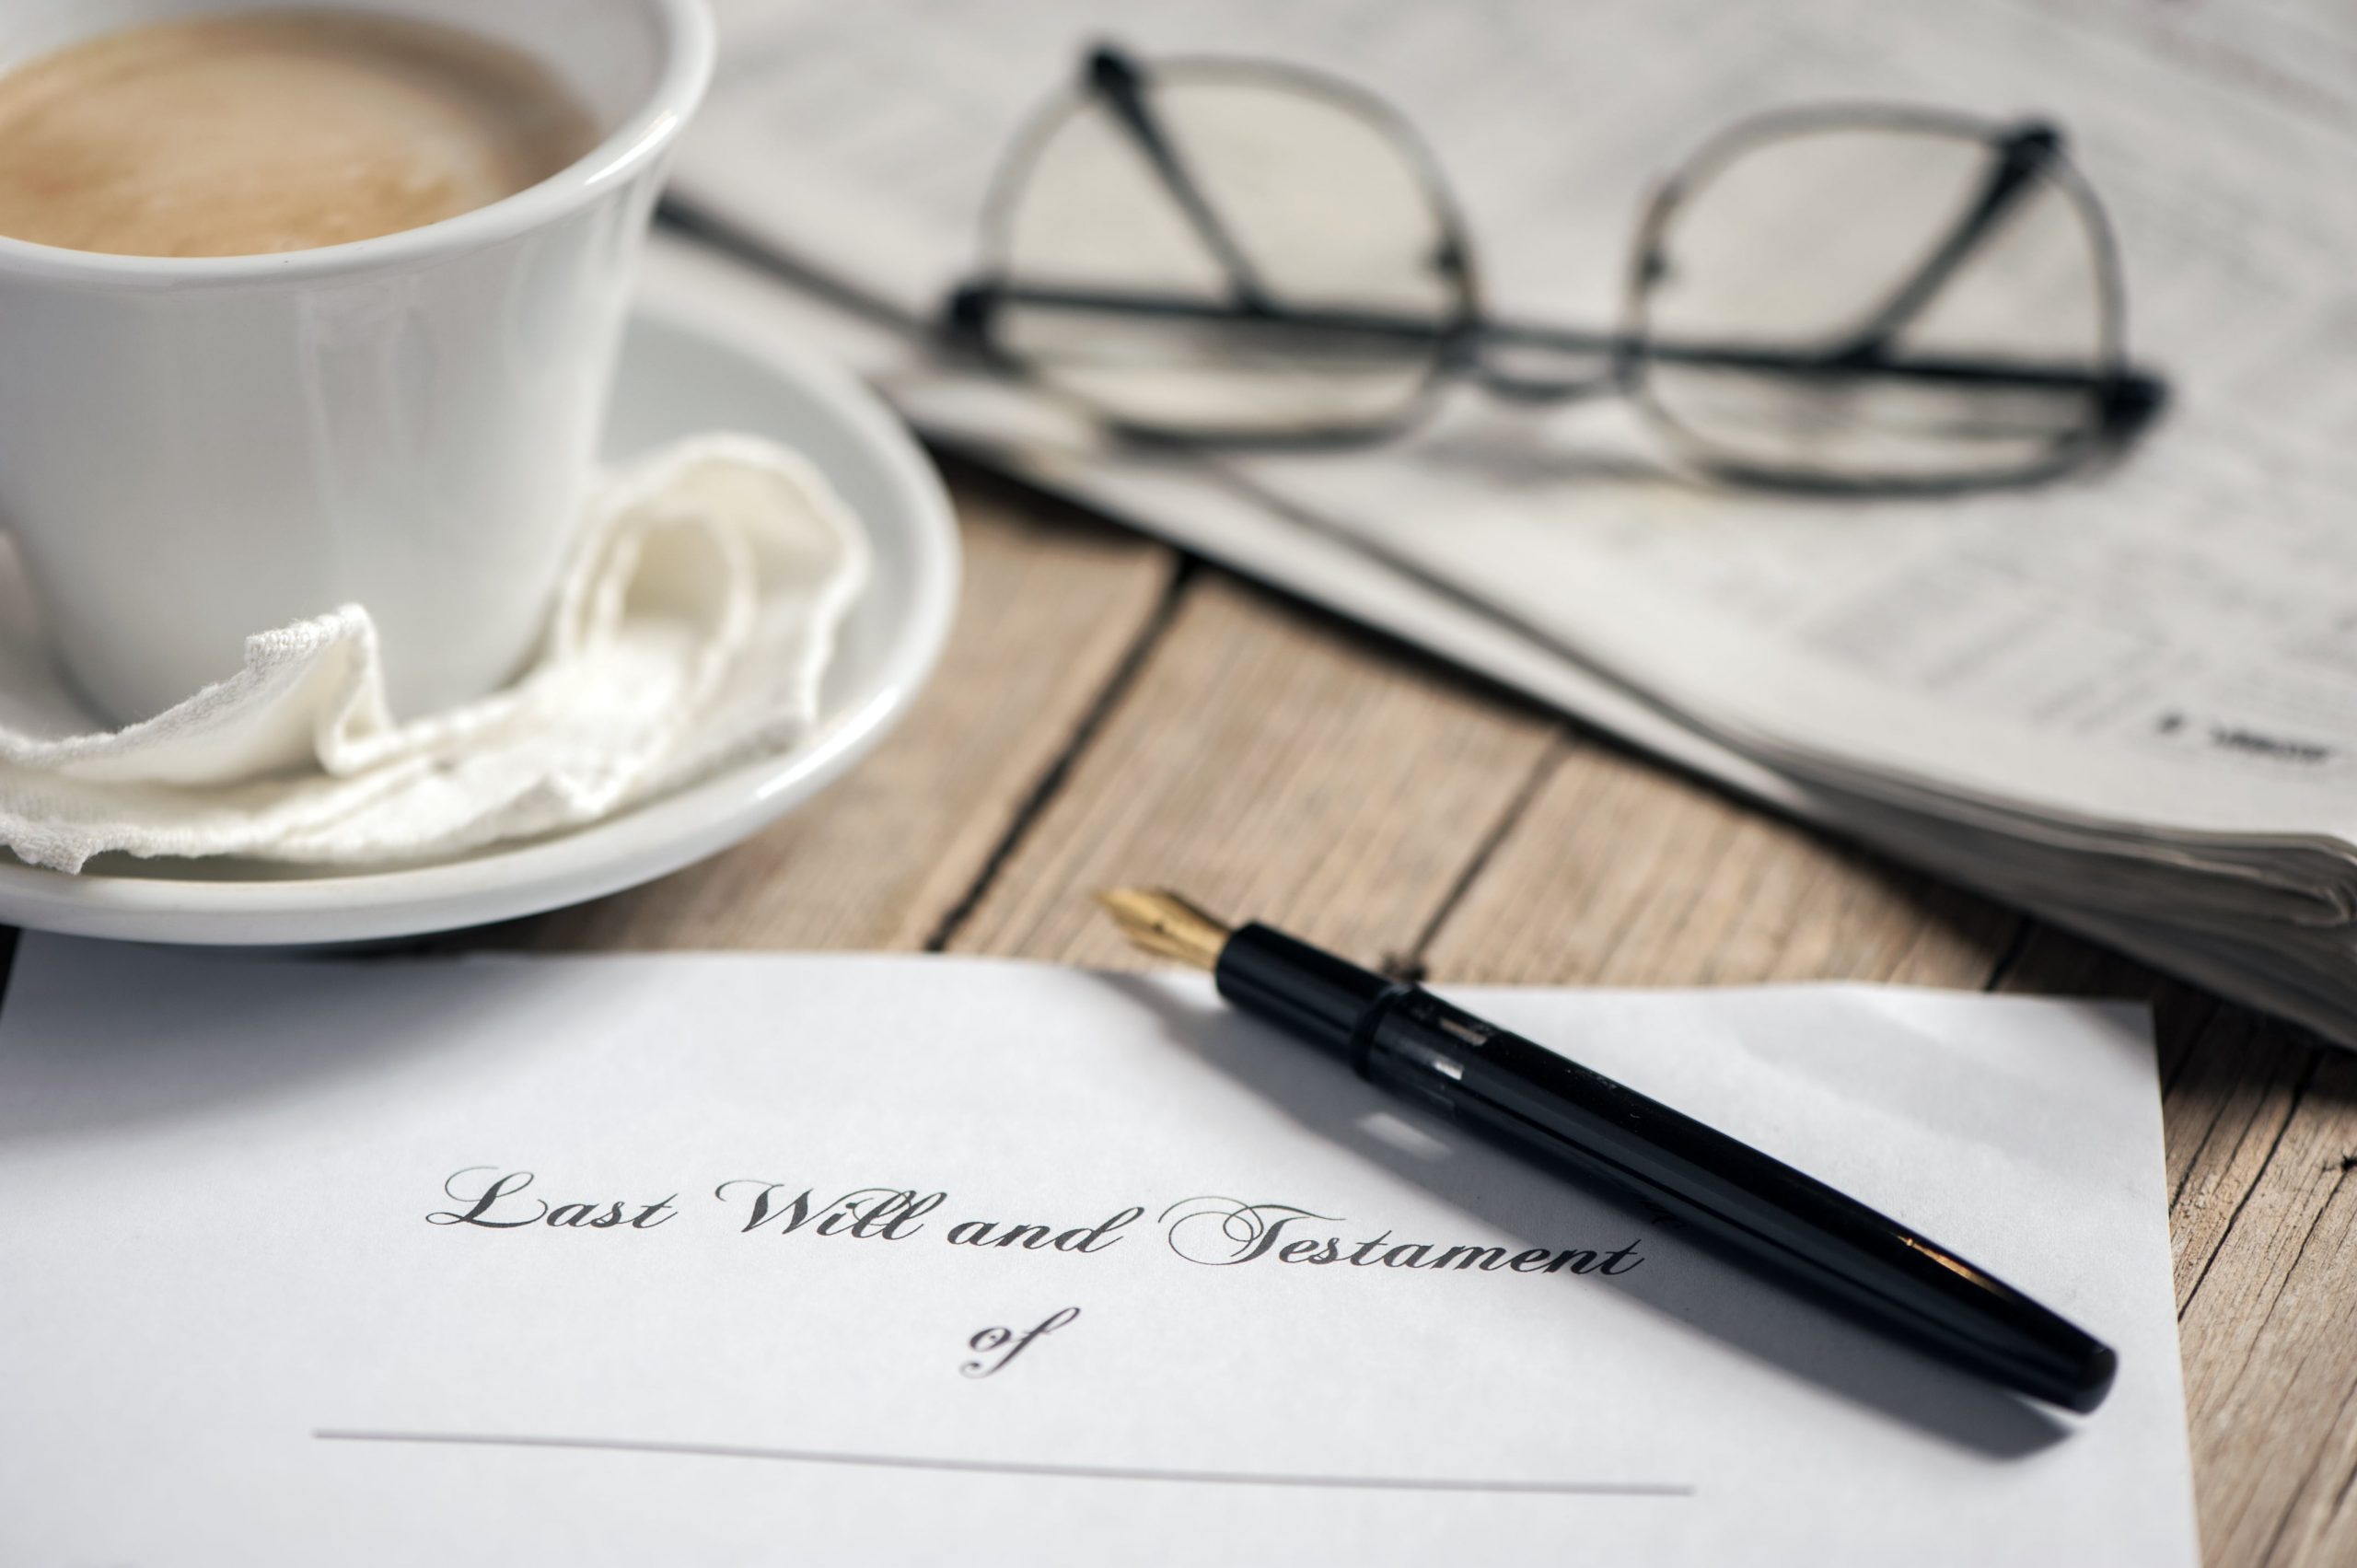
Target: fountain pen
(1577, 1123)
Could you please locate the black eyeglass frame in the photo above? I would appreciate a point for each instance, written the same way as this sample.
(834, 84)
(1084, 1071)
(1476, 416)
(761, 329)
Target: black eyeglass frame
(1466, 338)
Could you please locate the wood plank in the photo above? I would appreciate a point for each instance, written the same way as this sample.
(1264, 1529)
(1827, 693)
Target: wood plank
(1054, 606)
(2269, 1335)
(1266, 761)
(1621, 872)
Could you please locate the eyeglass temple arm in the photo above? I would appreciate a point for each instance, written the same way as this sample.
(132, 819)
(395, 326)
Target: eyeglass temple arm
(1117, 78)
(2129, 398)
(2021, 154)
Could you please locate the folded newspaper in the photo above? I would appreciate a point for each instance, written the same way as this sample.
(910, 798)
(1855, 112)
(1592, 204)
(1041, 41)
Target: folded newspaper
(2127, 701)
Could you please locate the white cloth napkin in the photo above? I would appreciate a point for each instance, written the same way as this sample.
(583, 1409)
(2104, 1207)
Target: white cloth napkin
(691, 631)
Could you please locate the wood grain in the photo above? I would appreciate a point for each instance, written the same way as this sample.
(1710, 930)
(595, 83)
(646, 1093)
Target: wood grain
(1266, 763)
(2267, 1333)
(1619, 872)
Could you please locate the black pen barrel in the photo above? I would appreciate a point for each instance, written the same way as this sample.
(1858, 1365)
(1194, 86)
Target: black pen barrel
(1857, 1260)
(1579, 1123)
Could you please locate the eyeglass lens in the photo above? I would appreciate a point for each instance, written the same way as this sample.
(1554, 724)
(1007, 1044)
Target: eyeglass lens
(1874, 311)
(1124, 300)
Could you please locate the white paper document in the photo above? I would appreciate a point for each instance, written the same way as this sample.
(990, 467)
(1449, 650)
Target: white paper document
(738, 1259)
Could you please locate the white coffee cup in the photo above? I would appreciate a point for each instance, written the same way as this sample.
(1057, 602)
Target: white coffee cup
(195, 450)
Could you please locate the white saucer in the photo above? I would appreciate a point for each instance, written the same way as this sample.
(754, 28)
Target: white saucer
(697, 358)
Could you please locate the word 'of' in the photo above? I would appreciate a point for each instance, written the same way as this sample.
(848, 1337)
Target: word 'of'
(990, 1340)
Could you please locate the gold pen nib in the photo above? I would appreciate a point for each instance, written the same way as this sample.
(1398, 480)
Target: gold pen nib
(1163, 923)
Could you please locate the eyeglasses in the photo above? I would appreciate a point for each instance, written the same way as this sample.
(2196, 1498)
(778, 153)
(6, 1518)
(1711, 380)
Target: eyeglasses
(1215, 250)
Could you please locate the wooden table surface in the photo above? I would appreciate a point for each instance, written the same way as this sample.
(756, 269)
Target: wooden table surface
(1111, 711)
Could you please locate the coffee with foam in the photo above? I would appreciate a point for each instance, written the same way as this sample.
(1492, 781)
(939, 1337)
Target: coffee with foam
(263, 132)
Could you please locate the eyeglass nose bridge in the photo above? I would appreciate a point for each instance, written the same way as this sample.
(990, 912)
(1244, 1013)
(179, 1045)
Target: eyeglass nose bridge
(1538, 366)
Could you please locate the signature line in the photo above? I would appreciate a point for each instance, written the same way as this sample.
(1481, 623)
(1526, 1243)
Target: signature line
(1007, 1466)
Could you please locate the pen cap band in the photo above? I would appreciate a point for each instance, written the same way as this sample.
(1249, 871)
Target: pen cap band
(1304, 990)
